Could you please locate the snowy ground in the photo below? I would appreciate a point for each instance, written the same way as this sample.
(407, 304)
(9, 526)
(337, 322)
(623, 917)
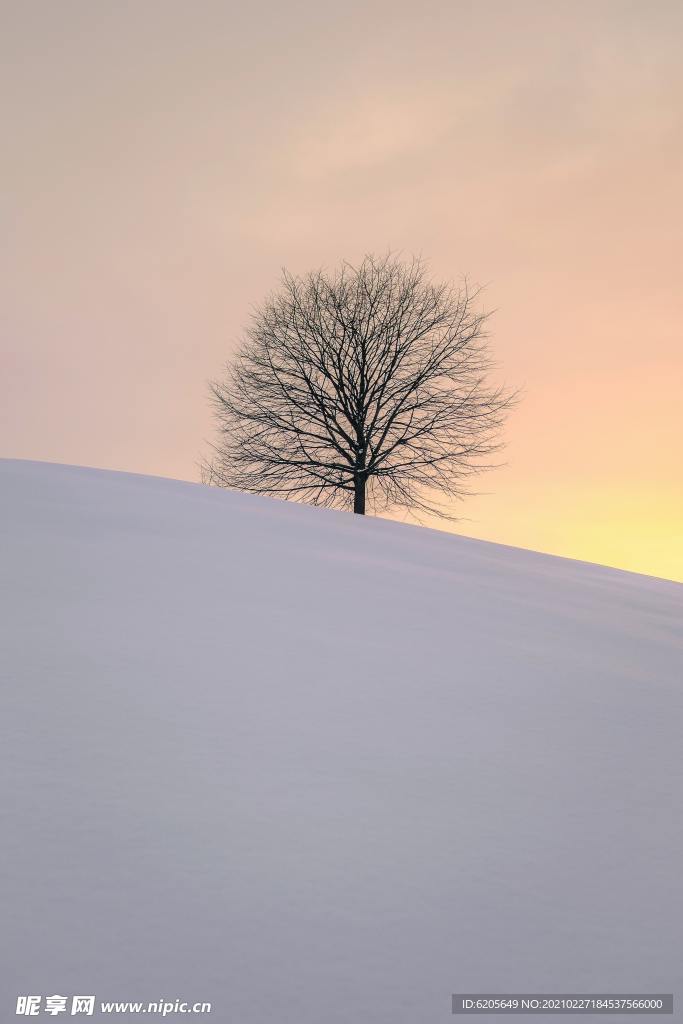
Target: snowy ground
(316, 768)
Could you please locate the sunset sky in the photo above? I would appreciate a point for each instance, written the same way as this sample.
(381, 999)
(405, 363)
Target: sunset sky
(163, 160)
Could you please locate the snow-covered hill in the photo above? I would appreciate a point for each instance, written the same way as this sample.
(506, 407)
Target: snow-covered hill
(311, 767)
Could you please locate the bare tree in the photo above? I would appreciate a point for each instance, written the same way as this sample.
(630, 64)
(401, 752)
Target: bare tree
(367, 386)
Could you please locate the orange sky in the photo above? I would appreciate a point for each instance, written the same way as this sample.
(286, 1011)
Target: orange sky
(163, 160)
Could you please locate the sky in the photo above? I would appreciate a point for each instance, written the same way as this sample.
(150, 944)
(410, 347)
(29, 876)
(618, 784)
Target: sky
(162, 161)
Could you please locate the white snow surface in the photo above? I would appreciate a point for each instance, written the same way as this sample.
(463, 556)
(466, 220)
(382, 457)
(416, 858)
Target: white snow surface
(312, 767)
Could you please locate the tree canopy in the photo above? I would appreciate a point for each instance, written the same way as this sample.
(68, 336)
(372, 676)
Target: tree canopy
(364, 387)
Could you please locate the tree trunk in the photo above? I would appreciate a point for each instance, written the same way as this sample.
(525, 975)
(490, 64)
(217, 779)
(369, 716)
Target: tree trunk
(359, 496)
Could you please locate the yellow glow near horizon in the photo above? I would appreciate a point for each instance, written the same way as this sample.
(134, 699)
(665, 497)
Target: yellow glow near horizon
(639, 534)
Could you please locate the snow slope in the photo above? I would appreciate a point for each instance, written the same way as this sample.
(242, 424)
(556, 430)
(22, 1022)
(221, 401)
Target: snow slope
(317, 768)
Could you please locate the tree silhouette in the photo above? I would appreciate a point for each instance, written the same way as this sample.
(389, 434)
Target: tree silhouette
(362, 388)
